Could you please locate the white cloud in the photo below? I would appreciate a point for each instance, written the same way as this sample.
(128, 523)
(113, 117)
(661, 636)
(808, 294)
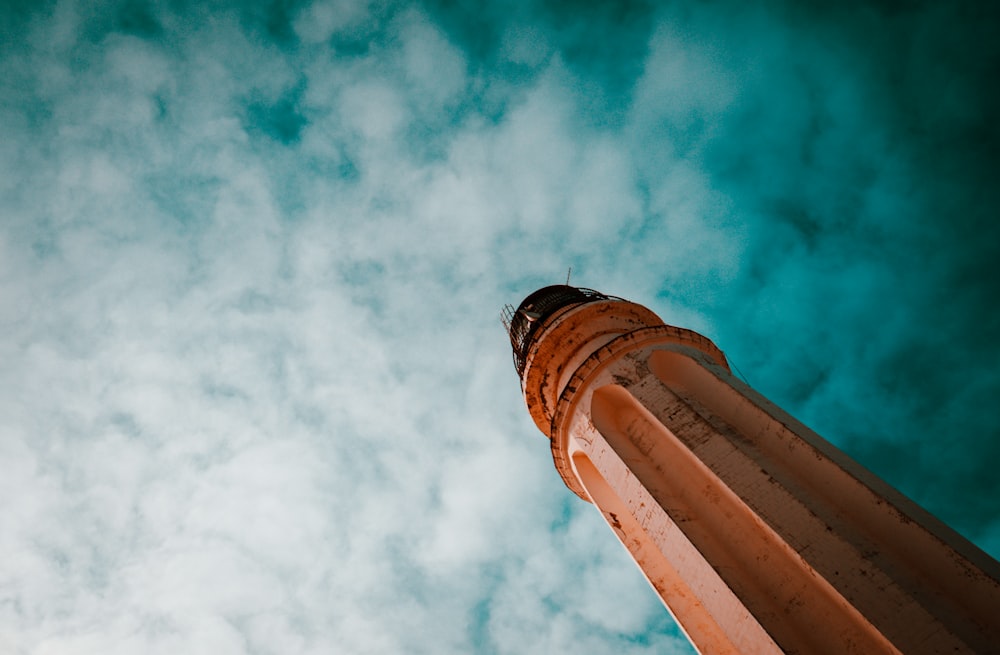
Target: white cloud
(433, 66)
(374, 109)
(323, 18)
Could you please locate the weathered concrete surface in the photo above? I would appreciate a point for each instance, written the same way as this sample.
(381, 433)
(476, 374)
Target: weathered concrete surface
(759, 536)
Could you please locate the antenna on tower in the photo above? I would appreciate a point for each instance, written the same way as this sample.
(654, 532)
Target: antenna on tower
(568, 274)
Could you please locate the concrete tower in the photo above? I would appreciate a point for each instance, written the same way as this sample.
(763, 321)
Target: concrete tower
(759, 536)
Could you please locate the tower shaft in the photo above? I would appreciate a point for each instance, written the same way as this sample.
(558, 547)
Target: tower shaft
(758, 535)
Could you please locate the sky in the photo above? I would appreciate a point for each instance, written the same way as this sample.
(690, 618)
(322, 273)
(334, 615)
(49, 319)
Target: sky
(255, 394)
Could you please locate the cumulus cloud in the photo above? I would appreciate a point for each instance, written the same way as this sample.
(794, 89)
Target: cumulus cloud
(255, 394)
(319, 21)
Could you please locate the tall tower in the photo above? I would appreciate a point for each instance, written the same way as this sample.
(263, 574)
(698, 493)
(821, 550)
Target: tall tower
(757, 534)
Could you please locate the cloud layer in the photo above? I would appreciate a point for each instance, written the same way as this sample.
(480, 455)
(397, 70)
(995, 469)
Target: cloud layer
(255, 395)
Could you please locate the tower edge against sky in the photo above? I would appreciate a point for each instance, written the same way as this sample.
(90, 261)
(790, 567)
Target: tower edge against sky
(758, 535)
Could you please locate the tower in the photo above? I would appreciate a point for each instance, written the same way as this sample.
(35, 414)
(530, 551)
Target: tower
(758, 535)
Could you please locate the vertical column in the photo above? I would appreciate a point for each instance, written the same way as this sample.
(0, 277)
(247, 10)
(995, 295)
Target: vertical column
(758, 534)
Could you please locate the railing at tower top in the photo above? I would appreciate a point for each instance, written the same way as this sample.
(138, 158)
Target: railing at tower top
(523, 322)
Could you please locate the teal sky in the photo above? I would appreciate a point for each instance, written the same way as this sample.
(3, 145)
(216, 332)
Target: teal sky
(255, 396)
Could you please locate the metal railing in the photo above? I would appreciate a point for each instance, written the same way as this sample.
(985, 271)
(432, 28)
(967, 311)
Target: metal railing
(522, 323)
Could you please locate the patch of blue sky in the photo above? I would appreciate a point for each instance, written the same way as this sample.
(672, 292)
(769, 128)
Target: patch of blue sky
(135, 17)
(280, 119)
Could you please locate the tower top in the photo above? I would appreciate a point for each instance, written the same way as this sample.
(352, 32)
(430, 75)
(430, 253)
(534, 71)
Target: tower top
(522, 323)
(558, 328)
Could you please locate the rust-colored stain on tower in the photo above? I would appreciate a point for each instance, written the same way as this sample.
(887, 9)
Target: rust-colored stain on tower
(758, 535)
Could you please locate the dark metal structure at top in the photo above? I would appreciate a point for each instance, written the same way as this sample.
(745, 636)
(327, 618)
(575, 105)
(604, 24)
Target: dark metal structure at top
(522, 323)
